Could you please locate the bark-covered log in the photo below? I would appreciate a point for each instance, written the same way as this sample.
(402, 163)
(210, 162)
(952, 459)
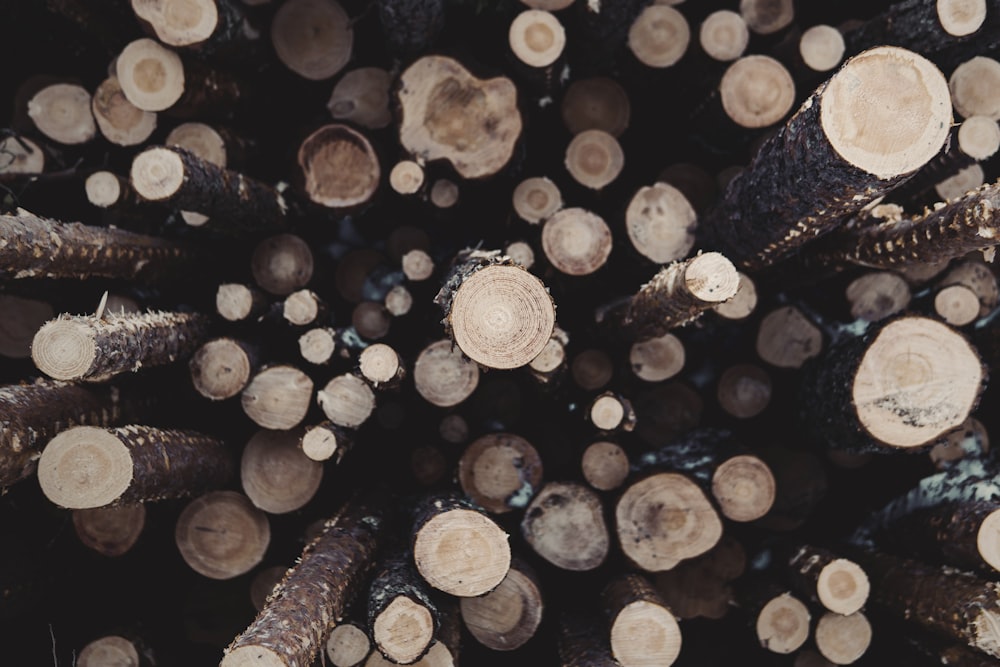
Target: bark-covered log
(952, 604)
(293, 625)
(411, 26)
(581, 643)
(402, 616)
(865, 393)
(176, 176)
(86, 466)
(642, 628)
(32, 413)
(769, 211)
(36, 247)
(821, 576)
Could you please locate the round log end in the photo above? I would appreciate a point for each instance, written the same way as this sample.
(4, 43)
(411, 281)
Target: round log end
(564, 524)
(276, 475)
(85, 467)
(594, 158)
(347, 400)
(252, 655)
(711, 278)
(506, 617)
(660, 222)
(62, 113)
(157, 174)
(462, 553)
(535, 199)
(278, 397)
(502, 316)
(443, 376)
(843, 639)
(822, 47)
(887, 111)
(151, 75)
(500, 472)
(179, 22)
(843, 587)
(220, 369)
(536, 37)
(313, 38)
(659, 36)
(783, 624)
(64, 349)
(757, 91)
(657, 359)
(605, 465)
(744, 487)
(340, 166)
(644, 633)
(221, 535)
(724, 35)
(348, 645)
(403, 630)
(576, 241)
(988, 539)
(961, 17)
(110, 531)
(110, 650)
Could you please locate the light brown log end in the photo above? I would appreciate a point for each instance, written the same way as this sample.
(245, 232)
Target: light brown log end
(220, 369)
(348, 645)
(120, 121)
(443, 376)
(151, 76)
(659, 36)
(278, 397)
(822, 47)
(110, 650)
(744, 487)
(506, 617)
(500, 472)
(783, 624)
(724, 35)
(843, 587)
(276, 475)
(536, 37)
(576, 241)
(340, 167)
(110, 531)
(347, 400)
(221, 535)
(62, 113)
(564, 524)
(313, 38)
(462, 553)
(594, 159)
(843, 639)
(85, 467)
(604, 465)
(661, 223)
(757, 91)
(537, 198)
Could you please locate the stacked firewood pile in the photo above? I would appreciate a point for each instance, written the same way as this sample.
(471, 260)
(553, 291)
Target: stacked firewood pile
(584, 333)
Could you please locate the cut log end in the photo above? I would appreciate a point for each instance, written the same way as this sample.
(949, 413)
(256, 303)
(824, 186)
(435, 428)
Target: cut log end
(664, 519)
(313, 38)
(340, 167)
(843, 587)
(535, 199)
(724, 35)
(302, 307)
(85, 467)
(787, 339)
(103, 189)
(120, 121)
(347, 401)
(659, 36)
(957, 305)
(506, 617)
(282, 264)
(766, 17)
(234, 302)
(500, 472)
(220, 369)
(592, 369)
(157, 174)
(744, 391)
(743, 303)
(843, 639)
(783, 624)
(564, 524)
(576, 241)
(961, 17)
(594, 158)
(917, 380)
(348, 645)
(379, 363)
(406, 177)
(875, 296)
(64, 349)
(362, 96)
(252, 655)
(979, 137)
(887, 111)
(444, 193)
(443, 376)
(151, 76)
(598, 103)
(202, 140)
(110, 531)
(537, 38)
(278, 397)
(502, 316)
(462, 553)
(822, 47)
(21, 156)
(417, 265)
(403, 630)
(660, 222)
(605, 465)
(179, 22)
(221, 535)
(62, 113)
(320, 443)
(552, 357)
(757, 91)
(110, 650)
(744, 487)
(644, 633)
(607, 412)
(276, 475)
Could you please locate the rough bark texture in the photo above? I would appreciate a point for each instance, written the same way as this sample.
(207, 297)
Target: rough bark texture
(769, 210)
(314, 594)
(208, 92)
(696, 454)
(582, 644)
(914, 25)
(411, 26)
(945, 534)
(126, 342)
(953, 604)
(30, 414)
(968, 224)
(34, 247)
(227, 197)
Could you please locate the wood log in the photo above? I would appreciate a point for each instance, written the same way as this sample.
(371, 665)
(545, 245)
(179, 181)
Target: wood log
(326, 441)
(36, 247)
(317, 345)
(508, 616)
(210, 27)
(275, 474)
(282, 264)
(303, 307)
(277, 397)
(62, 113)
(742, 304)
(661, 222)
(877, 295)
(700, 587)
(724, 35)
(536, 37)
(957, 305)
(592, 369)
(962, 226)
(402, 616)
(550, 364)
(236, 302)
(313, 38)
(883, 398)
(500, 315)
(951, 604)
(604, 465)
(679, 294)
(450, 114)
(406, 177)
(642, 628)
(371, 320)
(85, 466)
(756, 91)
(339, 166)
(443, 376)
(382, 366)
(664, 519)
(222, 367)
(109, 650)
(594, 159)
(398, 301)
(417, 265)
(444, 193)
(576, 241)
(781, 623)
(178, 177)
(292, 627)
(657, 359)
(362, 96)
(959, 534)
(851, 169)
(597, 103)
(822, 48)
(110, 531)
(787, 338)
(95, 348)
(120, 121)
(458, 549)
(843, 639)
(221, 535)
(438, 655)
(500, 472)
(348, 645)
(20, 155)
(837, 583)
(347, 400)
(611, 411)
(564, 524)
(766, 17)
(744, 391)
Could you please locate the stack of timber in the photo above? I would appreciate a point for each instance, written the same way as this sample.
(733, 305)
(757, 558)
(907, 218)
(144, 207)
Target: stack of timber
(593, 333)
